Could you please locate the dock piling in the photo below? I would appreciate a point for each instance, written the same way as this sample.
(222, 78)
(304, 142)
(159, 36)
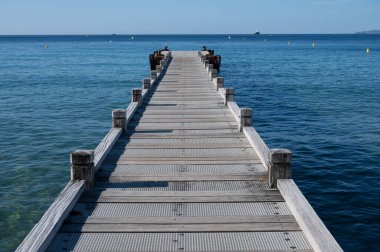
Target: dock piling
(279, 165)
(118, 118)
(229, 95)
(219, 83)
(82, 167)
(136, 95)
(206, 63)
(213, 74)
(159, 69)
(146, 84)
(153, 75)
(245, 118)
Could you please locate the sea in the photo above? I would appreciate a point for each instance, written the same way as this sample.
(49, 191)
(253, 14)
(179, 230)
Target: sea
(318, 95)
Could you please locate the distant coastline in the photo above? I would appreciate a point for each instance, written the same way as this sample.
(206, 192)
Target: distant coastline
(369, 32)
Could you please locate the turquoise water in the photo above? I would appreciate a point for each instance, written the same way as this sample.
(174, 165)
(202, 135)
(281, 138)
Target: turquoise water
(323, 103)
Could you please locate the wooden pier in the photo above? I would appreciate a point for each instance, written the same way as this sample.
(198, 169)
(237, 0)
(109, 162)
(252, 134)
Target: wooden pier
(182, 169)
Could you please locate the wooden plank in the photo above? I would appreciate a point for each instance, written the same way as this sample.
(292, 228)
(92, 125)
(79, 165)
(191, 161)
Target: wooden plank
(137, 135)
(183, 176)
(44, 231)
(258, 144)
(234, 110)
(179, 228)
(105, 146)
(176, 194)
(196, 199)
(316, 232)
(181, 161)
(184, 220)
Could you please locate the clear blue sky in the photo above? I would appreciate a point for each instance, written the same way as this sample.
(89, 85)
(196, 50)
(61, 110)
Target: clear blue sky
(187, 16)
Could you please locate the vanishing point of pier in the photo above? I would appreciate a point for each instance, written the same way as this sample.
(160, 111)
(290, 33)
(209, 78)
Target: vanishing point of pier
(181, 169)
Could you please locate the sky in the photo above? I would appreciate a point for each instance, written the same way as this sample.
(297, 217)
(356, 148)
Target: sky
(40, 17)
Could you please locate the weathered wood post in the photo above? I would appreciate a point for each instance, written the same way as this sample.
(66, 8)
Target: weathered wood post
(159, 69)
(279, 165)
(153, 75)
(136, 95)
(245, 118)
(82, 166)
(163, 62)
(213, 74)
(169, 54)
(219, 83)
(146, 83)
(206, 63)
(229, 95)
(209, 68)
(118, 118)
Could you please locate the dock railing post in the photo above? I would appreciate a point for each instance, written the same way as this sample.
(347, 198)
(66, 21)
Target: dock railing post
(213, 74)
(146, 84)
(206, 63)
(169, 54)
(279, 165)
(136, 95)
(245, 118)
(163, 62)
(209, 68)
(159, 69)
(82, 167)
(118, 118)
(219, 83)
(153, 75)
(229, 96)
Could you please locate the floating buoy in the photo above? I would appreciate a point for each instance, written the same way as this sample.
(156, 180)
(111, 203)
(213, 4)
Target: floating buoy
(368, 50)
(289, 43)
(110, 41)
(314, 44)
(132, 37)
(46, 46)
(229, 37)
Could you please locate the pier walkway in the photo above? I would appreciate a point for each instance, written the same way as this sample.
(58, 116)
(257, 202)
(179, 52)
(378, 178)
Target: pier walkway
(182, 169)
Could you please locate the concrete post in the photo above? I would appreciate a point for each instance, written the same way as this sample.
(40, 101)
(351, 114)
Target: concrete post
(229, 95)
(245, 118)
(219, 83)
(279, 165)
(146, 83)
(136, 94)
(118, 118)
(82, 167)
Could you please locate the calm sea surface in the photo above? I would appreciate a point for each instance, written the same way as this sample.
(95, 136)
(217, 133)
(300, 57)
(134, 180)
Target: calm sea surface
(323, 103)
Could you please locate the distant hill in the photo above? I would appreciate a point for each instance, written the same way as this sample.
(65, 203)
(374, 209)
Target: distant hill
(369, 32)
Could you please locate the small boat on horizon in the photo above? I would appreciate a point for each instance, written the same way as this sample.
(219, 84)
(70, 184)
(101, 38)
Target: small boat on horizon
(257, 33)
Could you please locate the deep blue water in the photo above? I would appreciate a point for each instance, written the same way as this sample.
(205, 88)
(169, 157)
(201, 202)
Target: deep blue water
(323, 103)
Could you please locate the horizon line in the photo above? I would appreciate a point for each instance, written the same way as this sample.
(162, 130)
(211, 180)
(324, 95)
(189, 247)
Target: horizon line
(179, 34)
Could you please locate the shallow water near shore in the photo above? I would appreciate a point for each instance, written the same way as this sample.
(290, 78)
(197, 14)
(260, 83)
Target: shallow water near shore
(321, 102)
